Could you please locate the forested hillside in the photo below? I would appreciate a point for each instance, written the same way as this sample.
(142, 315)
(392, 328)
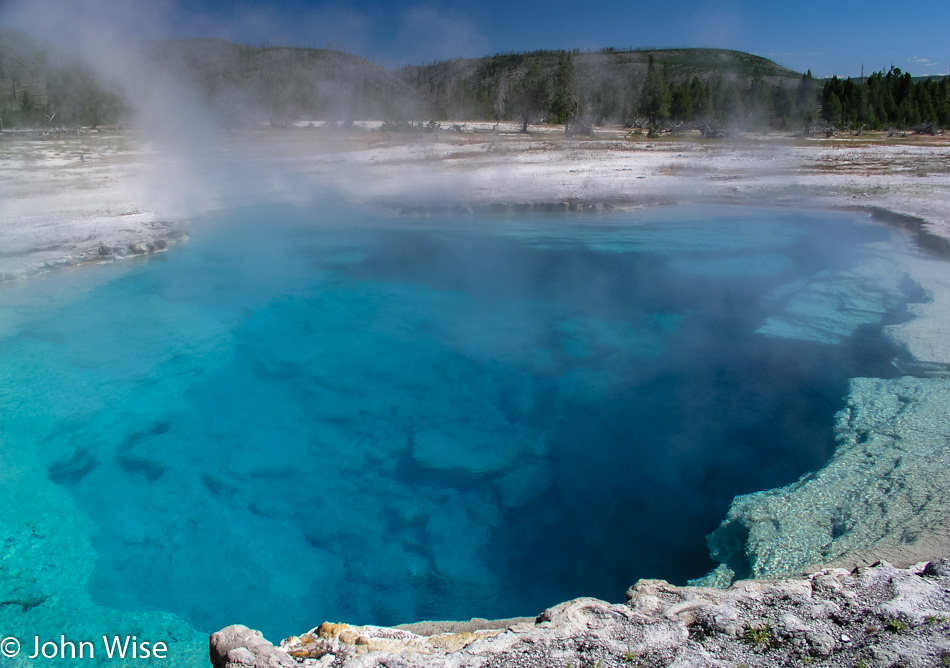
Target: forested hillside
(280, 85)
(667, 89)
(38, 88)
(613, 86)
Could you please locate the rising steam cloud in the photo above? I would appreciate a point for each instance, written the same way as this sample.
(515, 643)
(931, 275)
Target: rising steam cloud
(197, 163)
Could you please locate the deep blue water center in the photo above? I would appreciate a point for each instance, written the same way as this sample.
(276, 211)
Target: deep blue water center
(308, 414)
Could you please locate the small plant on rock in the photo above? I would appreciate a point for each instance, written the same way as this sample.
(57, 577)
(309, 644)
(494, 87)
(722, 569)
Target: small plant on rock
(896, 625)
(629, 656)
(760, 635)
(935, 619)
(632, 659)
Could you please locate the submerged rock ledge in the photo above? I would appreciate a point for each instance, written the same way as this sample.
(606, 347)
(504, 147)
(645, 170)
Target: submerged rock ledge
(872, 616)
(886, 491)
(155, 237)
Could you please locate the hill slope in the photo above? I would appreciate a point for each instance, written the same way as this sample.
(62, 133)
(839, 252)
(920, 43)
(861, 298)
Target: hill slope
(245, 84)
(603, 85)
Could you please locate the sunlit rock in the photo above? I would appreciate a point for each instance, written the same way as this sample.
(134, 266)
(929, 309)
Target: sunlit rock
(836, 615)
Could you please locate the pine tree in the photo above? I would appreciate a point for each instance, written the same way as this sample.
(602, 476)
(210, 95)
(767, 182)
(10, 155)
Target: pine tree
(681, 107)
(805, 98)
(564, 102)
(831, 108)
(655, 98)
(702, 98)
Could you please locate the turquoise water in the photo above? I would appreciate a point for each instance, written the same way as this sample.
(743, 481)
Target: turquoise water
(314, 413)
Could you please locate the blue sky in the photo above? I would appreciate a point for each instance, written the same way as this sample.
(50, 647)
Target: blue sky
(826, 37)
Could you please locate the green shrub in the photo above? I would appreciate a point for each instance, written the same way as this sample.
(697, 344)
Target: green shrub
(760, 635)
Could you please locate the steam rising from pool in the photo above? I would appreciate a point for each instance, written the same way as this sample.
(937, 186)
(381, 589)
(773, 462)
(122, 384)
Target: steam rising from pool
(321, 414)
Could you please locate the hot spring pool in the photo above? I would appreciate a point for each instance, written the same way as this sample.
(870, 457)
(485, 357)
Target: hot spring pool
(311, 414)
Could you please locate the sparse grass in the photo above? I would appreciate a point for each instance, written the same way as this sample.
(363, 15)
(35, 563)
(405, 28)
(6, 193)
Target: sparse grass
(631, 658)
(760, 635)
(896, 625)
(935, 619)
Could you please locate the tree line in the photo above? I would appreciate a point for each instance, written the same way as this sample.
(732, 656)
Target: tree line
(886, 99)
(660, 90)
(711, 102)
(548, 87)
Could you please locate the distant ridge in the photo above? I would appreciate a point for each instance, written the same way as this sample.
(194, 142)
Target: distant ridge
(604, 81)
(245, 84)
